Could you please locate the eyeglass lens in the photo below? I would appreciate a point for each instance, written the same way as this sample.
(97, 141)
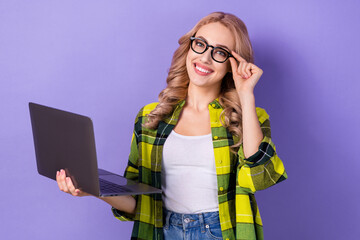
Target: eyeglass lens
(218, 54)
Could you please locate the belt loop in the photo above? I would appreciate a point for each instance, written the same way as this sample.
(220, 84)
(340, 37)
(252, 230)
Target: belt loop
(202, 222)
(167, 219)
(182, 222)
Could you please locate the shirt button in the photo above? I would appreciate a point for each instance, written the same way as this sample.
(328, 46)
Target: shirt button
(213, 105)
(219, 161)
(216, 137)
(221, 188)
(227, 239)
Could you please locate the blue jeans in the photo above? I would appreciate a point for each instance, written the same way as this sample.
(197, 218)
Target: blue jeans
(191, 226)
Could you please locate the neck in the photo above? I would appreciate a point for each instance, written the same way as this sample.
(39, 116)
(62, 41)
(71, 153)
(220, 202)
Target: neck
(199, 98)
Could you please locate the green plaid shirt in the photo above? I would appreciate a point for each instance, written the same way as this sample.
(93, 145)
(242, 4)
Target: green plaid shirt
(237, 178)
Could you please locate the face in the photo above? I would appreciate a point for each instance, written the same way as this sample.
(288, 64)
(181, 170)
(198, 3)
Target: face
(203, 71)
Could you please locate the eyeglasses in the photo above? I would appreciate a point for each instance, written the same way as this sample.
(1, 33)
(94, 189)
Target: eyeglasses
(218, 54)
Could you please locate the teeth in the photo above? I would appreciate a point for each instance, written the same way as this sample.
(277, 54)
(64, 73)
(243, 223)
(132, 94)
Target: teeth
(202, 70)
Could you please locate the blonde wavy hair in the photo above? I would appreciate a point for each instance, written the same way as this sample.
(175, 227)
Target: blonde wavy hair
(178, 79)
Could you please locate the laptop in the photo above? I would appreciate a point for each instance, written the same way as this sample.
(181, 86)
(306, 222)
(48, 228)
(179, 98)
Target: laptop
(65, 140)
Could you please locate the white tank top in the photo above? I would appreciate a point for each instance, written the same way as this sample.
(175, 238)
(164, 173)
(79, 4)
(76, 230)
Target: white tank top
(188, 176)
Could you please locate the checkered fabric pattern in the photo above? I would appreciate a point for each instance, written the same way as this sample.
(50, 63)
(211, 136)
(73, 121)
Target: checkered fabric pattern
(237, 178)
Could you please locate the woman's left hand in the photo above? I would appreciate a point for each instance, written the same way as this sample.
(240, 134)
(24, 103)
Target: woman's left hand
(245, 74)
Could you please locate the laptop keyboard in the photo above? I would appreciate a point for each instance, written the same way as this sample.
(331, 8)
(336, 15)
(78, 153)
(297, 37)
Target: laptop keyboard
(109, 187)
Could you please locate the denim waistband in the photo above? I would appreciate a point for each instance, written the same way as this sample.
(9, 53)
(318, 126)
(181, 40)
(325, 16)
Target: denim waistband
(190, 220)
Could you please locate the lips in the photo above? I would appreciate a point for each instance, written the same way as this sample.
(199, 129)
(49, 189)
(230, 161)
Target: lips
(202, 70)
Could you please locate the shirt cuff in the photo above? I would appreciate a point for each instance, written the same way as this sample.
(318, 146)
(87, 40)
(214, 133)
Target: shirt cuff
(265, 152)
(122, 216)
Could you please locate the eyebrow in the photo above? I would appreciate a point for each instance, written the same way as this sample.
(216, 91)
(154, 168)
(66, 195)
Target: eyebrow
(217, 45)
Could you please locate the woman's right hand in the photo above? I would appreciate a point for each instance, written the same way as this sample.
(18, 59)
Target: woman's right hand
(65, 184)
(123, 203)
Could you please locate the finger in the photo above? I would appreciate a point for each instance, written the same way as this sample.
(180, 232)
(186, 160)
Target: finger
(237, 57)
(63, 181)
(238, 71)
(243, 71)
(234, 65)
(248, 68)
(255, 69)
(78, 192)
(70, 186)
(58, 180)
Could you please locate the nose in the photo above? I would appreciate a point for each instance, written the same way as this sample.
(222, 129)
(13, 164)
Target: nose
(206, 56)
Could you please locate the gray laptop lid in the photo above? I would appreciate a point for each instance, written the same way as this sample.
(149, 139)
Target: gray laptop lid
(65, 140)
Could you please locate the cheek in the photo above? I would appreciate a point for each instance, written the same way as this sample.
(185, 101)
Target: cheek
(224, 68)
(188, 62)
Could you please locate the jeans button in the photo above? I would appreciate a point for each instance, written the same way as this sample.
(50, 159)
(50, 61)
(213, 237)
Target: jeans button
(186, 220)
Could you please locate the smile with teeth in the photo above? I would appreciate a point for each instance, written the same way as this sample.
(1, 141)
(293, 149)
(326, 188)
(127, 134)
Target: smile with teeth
(202, 69)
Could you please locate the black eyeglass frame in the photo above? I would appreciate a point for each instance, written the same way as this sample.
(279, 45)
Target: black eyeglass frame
(212, 50)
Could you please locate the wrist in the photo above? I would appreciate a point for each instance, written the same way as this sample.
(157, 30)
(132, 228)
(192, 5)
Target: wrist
(246, 97)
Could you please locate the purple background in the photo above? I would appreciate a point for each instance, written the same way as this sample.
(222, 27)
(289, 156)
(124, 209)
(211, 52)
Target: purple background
(106, 59)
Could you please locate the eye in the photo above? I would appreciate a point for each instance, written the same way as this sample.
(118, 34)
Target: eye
(199, 43)
(221, 52)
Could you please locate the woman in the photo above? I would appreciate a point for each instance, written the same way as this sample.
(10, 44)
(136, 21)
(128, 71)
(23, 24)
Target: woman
(205, 143)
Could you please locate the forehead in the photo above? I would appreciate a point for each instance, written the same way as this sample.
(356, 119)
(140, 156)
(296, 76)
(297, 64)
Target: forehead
(217, 34)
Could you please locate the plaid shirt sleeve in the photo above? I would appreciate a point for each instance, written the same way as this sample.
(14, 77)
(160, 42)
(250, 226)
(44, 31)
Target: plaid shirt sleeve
(264, 168)
(132, 173)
